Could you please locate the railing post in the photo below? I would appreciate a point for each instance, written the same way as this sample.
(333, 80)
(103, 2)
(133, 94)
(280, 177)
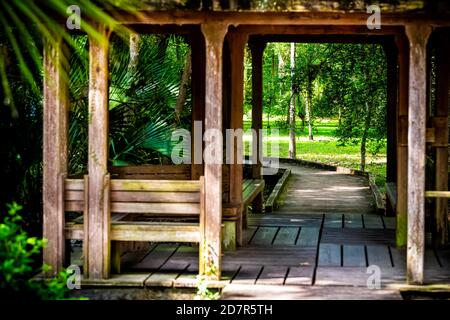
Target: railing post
(55, 118)
(418, 37)
(210, 263)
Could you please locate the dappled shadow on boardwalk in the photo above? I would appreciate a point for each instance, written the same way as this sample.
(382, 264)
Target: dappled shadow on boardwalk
(313, 190)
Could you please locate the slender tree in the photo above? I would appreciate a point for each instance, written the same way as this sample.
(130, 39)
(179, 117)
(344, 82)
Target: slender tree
(292, 144)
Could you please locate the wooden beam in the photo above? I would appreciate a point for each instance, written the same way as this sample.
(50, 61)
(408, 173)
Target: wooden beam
(257, 51)
(237, 42)
(214, 34)
(325, 33)
(402, 140)
(97, 239)
(440, 123)
(188, 17)
(418, 37)
(55, 118)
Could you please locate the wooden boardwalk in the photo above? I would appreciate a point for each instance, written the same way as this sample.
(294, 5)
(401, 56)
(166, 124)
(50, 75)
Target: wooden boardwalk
(321, 244)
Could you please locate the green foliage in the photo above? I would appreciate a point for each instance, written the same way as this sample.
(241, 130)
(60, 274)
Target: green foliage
(204, 292)
(141, 101)
(17, 267)
(330, 80)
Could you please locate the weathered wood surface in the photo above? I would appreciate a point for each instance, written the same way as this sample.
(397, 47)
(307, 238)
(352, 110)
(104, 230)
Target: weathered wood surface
(402, 139)
(55, 118)
(440, 123)
(355, 236)
(271, 20)
(271, 202)
(312, 190)
(286, 236)
(418, 37)
(97, 237)
(214, 34)
(257, 50)
(335, 262)
(154, 172)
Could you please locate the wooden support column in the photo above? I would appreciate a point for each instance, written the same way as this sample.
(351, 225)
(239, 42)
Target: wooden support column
(391, 58)
(210, 261)
(402, 140)
(418, 37)
(198, 103)
(98, 221)
(440, 124)
(257, 51)
(237, 43)
(390, 50)
(55, 118)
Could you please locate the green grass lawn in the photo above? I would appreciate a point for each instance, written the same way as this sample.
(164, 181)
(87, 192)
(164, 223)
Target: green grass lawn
(325, 149)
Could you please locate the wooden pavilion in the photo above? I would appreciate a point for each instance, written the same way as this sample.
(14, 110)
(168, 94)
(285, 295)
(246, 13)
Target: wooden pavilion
(216, 194)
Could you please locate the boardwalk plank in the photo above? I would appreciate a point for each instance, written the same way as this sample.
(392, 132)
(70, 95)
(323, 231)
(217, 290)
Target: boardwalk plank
(333, 220)
(389, 222)
(248, 234)
(330, 255)
(264, 236)
(398, 257)
(247, 274)
(309, 237)
(272, 275)
(156, 258)
(354, 256)
(358, 236)
(353, 221)
(300, 276)
(286, 236)
(379, 255)
(373, 221)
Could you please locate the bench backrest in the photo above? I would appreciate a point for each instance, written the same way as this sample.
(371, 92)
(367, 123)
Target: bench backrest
(149, 197)
(152, 172)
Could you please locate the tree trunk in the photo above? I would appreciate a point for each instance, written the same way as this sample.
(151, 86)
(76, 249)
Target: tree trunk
(135, 40)
(183, 86)
(292, 146)
(309, 115)
(364, 137)
(340, 116)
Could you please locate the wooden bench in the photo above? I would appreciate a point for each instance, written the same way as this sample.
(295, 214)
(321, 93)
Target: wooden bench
(251, 188)
(150, 198)
(391, 197)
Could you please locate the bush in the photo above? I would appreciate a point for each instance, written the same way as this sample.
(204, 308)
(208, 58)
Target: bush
(18, 252)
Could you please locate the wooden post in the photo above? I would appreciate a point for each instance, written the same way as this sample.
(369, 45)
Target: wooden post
(210, 263)
(402, 140)
(198, 102)
(237, 43)
(55, 118)
(97, 239)
(418, 36)
(390, 51)
(391, 58)
(440, 123)
(257, 50)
